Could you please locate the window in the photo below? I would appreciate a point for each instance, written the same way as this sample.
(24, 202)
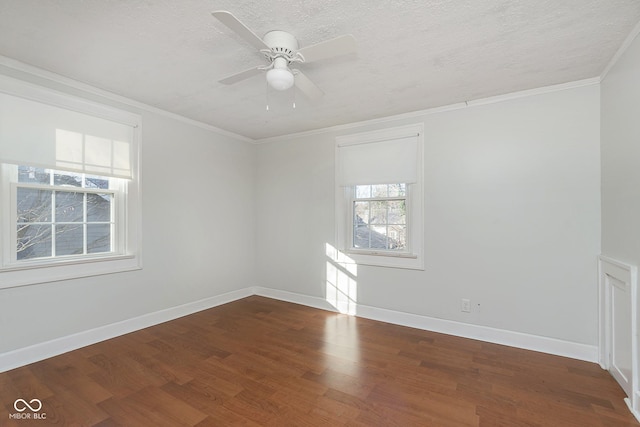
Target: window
(380, 217)
(379, 197)
(68, 186)
(63, 214)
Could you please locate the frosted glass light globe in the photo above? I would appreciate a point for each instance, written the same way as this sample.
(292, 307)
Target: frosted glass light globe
(280, 78)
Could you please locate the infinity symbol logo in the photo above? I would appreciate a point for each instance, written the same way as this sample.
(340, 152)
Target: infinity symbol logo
(26, 405)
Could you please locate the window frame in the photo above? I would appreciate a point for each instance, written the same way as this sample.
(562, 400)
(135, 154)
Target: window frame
(127, 211)
(413, 256)
(388, 252)
(117, 189)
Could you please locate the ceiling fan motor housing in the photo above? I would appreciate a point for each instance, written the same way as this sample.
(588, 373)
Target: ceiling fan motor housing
(282, 45)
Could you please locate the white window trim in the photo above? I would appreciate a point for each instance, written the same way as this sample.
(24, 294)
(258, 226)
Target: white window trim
(413, 258)
(13, 274)
(351, 249)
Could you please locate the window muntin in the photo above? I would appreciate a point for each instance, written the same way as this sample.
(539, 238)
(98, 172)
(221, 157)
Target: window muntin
(379, 217)
(61, 214)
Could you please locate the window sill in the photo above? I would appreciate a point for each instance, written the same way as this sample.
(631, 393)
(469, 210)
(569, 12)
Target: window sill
(69, 260)
(381, 253)
(386, 259)
(31, 273)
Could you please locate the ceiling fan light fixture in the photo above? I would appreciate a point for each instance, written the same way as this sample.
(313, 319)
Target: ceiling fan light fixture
(281, 49)
(280, 78)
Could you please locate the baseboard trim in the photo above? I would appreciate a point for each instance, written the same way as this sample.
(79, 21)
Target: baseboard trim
(309, 301)
(631, 408)
(34, 353)
(542, 344)
(484, 333)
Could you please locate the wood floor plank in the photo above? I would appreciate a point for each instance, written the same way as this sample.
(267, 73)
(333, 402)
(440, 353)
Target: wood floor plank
(152, 406)
(263, 362)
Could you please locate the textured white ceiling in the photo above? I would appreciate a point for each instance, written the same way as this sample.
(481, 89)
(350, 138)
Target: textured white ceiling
(412, 54)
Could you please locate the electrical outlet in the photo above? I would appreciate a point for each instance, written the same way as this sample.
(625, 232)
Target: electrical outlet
(465, 305)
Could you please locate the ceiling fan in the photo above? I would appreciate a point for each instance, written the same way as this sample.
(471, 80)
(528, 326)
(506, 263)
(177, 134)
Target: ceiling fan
(281, 50)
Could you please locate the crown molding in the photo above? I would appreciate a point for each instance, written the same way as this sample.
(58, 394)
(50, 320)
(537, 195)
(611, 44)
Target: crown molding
(621, 50)
(21, 67)
(436, 110)
(534, 92)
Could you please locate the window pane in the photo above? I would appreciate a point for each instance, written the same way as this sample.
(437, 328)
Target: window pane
(34, 241)
(381, 190)
(378, 237)
(99, 207)
(397, 212)
(98, 238)
(396, 190)
(397, 237)
(33, 205)
(361, 213)
(361, 236)
(96, 182)
(378, 212)
(35, 175)
(67, 178)
(69, 206)
(69, 239)
(363, 191)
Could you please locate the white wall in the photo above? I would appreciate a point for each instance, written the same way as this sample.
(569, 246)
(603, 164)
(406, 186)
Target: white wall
(620, 153)
(512, 218)
(620, 143)
(197, 216)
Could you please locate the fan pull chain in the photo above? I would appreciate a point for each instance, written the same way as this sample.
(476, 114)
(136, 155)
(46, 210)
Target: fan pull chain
(267, 94)
(294, 97)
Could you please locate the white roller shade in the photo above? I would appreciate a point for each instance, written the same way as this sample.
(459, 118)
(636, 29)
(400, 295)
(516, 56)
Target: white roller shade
(378, 162)
(38, 134)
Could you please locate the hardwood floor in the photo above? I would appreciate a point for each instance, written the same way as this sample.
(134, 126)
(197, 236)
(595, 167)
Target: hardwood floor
(259, 361)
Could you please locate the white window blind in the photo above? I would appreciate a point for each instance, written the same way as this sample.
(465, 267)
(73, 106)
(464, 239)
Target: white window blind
(378, 162)
(38, 134)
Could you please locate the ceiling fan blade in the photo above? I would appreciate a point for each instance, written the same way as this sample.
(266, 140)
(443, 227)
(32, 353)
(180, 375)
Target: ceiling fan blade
(329, 48)
(242, 75)
(306, 86)
(239, 28)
